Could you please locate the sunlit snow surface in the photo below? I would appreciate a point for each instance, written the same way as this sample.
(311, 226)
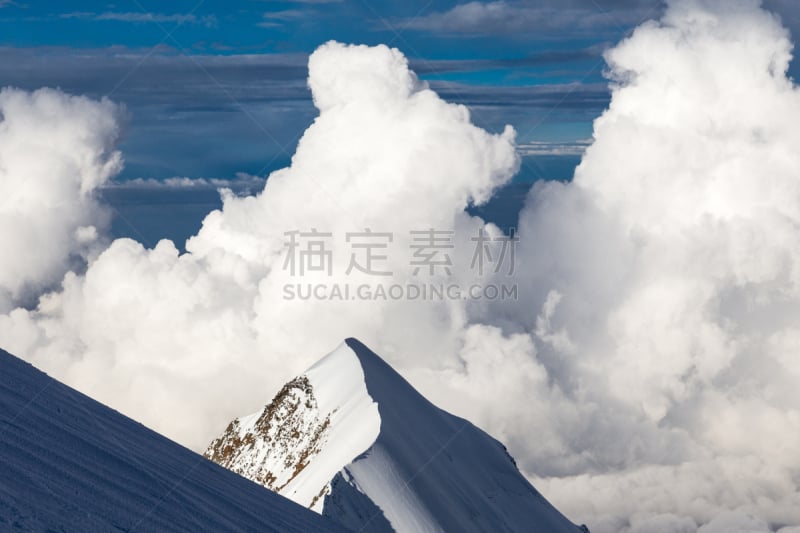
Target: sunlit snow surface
(324, 417)
(385, 458)
(68, 463)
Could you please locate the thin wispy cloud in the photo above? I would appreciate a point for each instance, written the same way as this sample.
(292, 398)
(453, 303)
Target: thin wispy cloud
(537, 59)
(241, 181)
(304, 1)
(142, 17)
(279, 18)
(501, 17)
(554, 148)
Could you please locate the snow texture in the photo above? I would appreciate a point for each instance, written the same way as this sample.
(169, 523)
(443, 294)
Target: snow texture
(68, 463)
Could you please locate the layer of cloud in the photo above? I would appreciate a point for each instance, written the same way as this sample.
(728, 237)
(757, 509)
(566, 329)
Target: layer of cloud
(214, 82)
(259, 102)
(645, 378)
(567, 96)
(273, 19)
(502, 17)
(554, 148)
(559, 58)
(143, 17)
(242, 181)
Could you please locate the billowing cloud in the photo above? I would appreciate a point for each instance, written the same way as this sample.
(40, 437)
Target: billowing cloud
(645, 378)
(662, 287)
(184, 342)
(55, 151)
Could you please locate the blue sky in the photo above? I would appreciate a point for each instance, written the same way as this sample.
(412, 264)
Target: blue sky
(213, 88)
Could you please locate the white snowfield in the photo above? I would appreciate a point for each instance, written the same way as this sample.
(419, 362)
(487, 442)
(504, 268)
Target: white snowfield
(385, 459)
(68, 463)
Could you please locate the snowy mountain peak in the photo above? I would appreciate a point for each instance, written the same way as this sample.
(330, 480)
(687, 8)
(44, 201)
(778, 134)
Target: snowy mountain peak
(352, 439)
(274, 446)
(324, 416)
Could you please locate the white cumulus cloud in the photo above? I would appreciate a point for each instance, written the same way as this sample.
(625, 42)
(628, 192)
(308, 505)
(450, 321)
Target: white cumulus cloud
(646, 377)
(185, 342)
(55, 151)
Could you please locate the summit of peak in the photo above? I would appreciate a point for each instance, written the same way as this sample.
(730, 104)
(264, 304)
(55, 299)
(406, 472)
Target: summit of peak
(373, 435)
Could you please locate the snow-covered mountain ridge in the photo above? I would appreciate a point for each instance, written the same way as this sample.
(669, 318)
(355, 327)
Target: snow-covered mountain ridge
(69, 463)
(353, 440)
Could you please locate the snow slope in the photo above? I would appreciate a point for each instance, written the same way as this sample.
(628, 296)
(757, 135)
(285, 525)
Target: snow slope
(68, 463)
(385, 458)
